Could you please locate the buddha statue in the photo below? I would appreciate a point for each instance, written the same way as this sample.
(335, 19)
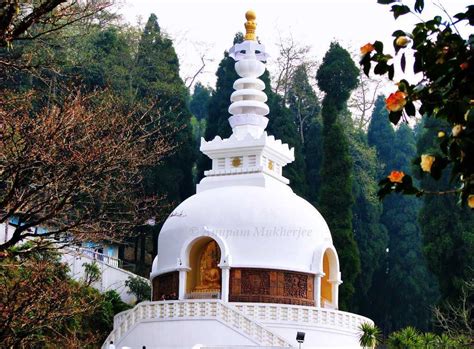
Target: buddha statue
(209, 272)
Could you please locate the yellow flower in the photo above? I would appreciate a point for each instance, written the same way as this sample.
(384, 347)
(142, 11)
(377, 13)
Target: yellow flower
(402, 41)
(396, 176)
(470, 201)
(457, 130)
(366, 48)
(427, 162)
(441, 134)
(396, 101)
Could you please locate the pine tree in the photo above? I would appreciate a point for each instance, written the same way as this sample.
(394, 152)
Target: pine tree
(282, 126)
(105, 60)
(337, 77)
(381, 135)
(303, 102)
(448, 230)
(371, 236)
(403, 290)
(157, 82)
(199, 104)
(313, 151)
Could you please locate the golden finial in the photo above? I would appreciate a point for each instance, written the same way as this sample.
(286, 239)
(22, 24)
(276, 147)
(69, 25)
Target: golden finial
(250, 25)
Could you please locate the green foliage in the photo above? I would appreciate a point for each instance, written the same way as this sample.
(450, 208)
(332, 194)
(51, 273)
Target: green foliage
(156, 80)
(199, 104)
(313, 151)
(337, 76)
(92, 272)
(370, 335)
(402, 278)
(139, 287)
(410, 338)
(404, 339)
(42, 300)
(302, 101)
(371, 236)
(108, 306)
(282, 126)
(116, 304)
(381, 135)
(444, 59)
(448, 230)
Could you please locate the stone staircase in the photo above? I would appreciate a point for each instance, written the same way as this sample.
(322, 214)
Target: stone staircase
(193, 309)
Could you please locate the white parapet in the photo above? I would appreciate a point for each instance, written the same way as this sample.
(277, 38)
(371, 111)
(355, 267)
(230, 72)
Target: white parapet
(220, 324)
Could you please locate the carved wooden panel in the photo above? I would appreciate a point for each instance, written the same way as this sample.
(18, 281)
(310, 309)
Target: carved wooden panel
(255, 281)
(167, 286)
(296, 285)
(271, 286)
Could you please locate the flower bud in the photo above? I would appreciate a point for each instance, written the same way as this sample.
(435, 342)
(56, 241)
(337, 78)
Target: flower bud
(396, 176)
(457, 130)
(402, 41)
(366, 48)
(427, 162)
(396, 101)
(470, 201)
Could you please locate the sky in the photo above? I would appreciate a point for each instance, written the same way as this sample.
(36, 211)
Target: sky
(207, 28)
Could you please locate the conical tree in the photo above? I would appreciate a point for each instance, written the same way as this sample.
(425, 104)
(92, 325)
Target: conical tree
(302, 100)
(403, 289)
(381, 135)
(448, 230)
(371, 236)
(282, 126)
(337, 77)
(157, 83)
(313, 152)
(199, 104)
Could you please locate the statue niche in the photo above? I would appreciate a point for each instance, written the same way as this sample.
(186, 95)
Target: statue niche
(209, 272)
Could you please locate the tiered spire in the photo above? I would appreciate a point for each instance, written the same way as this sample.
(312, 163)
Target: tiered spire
(248, 106)
(249, 156)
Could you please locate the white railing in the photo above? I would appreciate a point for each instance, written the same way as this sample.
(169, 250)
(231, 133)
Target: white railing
(189, 309)
(94, 255)
(295, 314)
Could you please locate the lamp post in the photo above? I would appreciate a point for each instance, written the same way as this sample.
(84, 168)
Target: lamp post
(300, 338)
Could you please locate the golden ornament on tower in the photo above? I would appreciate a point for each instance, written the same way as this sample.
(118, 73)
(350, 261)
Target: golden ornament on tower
(250, 25)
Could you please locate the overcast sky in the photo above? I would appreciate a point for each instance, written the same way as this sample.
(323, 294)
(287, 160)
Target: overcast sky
(208, 27)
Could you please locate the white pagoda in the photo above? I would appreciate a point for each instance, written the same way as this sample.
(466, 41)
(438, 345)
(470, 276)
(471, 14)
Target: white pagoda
(244, 261)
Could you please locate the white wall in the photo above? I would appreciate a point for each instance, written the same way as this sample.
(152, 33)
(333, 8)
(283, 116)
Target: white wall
(182, 333)
(112, 278)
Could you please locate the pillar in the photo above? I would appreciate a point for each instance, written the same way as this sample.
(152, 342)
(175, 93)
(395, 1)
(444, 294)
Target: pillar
(335, 290)
(225, 283)
(182, 283)
(317, 289)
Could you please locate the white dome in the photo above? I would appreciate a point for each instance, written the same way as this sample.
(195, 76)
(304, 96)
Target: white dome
(256, 226)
